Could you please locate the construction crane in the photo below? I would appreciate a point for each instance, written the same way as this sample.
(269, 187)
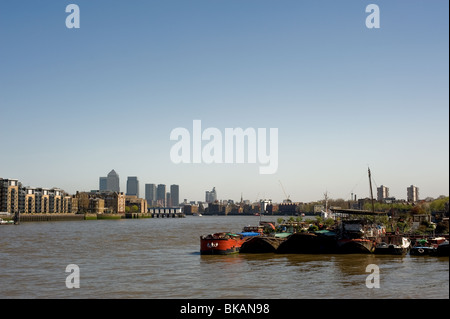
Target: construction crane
(287, 200)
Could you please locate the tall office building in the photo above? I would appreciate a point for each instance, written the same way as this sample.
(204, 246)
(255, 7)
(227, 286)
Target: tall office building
(150, 193)
(112, 182)
(133, 186)
(211, 196)
(382, 193)
(102, 184)
(412, 193)
(168, 200)
(161, 194)
(175, 195)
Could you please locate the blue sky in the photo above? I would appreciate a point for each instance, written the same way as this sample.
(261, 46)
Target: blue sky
(76, 103)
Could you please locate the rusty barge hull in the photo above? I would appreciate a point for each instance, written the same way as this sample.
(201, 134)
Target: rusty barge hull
(261, 244)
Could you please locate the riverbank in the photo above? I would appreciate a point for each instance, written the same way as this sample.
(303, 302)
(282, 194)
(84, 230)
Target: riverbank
(49, 217)
(46, 217)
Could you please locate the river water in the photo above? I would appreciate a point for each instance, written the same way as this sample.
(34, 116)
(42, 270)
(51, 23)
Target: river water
(159, 258)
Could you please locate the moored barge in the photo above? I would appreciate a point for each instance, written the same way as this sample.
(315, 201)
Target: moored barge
(221, 243)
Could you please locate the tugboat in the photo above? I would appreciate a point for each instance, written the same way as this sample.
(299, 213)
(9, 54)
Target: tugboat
(221, 243)
(225, 243)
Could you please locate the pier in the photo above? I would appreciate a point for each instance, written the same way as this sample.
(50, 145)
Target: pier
(166, 212)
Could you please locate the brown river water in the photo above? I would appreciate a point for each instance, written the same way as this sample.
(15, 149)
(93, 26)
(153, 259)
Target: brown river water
(159, 258)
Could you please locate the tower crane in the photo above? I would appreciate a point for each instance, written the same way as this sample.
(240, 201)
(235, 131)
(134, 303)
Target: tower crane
(287, 200)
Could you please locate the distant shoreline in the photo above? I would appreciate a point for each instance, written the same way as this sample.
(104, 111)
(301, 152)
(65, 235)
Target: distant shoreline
(42, 217)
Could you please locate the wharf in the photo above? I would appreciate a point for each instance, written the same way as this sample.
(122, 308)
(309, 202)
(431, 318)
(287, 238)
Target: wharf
(49, 217)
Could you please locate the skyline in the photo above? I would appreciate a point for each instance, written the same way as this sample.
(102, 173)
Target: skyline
(76, 103)
(380, 192)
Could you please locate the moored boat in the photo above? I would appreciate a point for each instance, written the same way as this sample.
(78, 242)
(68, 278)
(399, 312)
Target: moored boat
(6, 222)
(358, 236)
(426, 247)
(308, 243)
(357, 232)
(261, 244)
(356, 246)
(442, 249)
(393, 246)
(221, 243)
(420, 250)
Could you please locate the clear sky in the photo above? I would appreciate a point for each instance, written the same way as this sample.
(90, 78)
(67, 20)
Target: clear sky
(76, 103)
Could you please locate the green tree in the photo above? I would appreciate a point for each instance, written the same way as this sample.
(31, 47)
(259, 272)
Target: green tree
(438, 205)
(329, 222)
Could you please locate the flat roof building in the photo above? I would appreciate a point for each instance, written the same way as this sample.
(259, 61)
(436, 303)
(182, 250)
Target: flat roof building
(133, 186)
(175, 195)
(412, 193)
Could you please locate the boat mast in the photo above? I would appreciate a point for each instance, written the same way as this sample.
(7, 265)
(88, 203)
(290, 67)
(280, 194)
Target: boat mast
(371, 192)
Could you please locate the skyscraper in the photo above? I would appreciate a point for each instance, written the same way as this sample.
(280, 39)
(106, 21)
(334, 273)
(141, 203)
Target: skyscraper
(150, 193)
(161, 194)
(103, 184)
(175, 195)
(112, 182)
(133, 186)
(382, 193)
(211, 196)
(168, 200)
(412, 193)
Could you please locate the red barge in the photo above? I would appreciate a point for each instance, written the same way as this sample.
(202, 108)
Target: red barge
(221, 243)
(225, 243)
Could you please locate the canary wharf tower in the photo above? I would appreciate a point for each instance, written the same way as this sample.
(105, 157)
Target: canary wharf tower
(112, 182)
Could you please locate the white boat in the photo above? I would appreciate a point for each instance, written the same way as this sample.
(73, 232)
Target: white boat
(6, 222)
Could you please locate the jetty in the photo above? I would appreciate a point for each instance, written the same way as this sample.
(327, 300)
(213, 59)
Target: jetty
(166, 212)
